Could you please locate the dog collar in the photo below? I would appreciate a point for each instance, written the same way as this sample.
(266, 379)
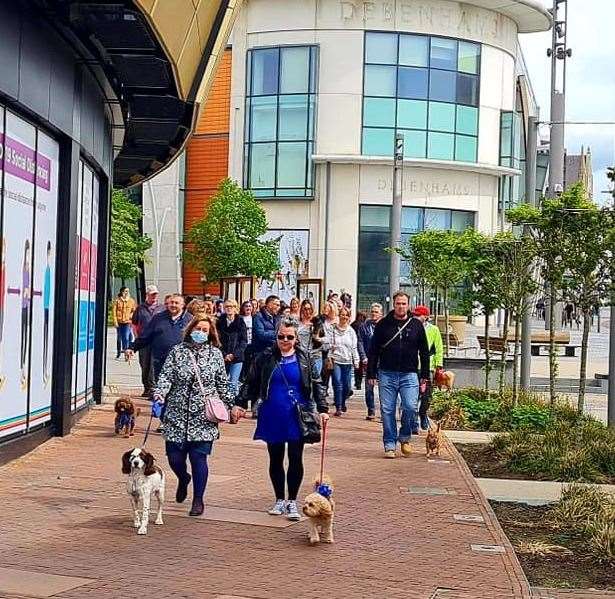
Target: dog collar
(325, 490)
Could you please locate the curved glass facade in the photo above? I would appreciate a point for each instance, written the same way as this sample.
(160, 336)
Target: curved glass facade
(279, 126)
(426, 88)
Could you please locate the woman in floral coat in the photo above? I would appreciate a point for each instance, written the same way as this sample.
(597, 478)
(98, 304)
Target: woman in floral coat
(186, 430)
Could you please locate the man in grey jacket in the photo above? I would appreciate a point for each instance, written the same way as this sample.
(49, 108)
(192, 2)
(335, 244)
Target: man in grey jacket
(366, 332)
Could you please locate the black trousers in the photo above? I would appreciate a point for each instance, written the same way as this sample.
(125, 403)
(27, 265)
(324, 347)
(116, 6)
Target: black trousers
(294, 475)
(147, 371)
(425, 399)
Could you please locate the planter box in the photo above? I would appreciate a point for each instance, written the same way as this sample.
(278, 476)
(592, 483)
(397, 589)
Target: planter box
(470, 372)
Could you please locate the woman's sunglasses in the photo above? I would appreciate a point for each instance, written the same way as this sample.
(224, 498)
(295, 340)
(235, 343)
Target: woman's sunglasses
(286, 337)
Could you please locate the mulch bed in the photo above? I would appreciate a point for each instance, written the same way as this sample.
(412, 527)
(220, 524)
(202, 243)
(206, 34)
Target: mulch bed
(482, 461)
(551, 557)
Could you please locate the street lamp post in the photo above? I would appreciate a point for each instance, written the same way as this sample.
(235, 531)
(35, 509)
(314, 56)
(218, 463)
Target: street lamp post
(395, 242)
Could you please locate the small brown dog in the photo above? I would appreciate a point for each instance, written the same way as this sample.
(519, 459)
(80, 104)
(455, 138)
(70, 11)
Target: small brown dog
(444, 379)
(319, 507)
(125, 416)
(433, 441)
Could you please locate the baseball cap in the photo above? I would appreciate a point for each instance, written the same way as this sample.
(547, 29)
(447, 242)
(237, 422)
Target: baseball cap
(421, 311)
(151, 289)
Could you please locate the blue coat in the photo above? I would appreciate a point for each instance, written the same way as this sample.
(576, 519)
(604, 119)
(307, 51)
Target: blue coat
(263, 330)
(161, 334)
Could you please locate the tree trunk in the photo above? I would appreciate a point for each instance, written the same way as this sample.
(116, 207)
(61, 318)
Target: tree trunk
(503, 355)
(583, 368)
(487, 352)
(447, 333)
(552, 354)
(515, 386)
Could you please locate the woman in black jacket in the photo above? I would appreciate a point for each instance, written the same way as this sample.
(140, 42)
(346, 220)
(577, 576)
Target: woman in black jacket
(282, 377)
(234, 340)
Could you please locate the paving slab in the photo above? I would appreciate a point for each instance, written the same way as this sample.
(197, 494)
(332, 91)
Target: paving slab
(532, 492)
(36, 584)
(470, 436)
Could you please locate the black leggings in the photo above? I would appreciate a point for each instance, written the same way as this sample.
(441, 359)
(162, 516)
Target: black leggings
(294, 476)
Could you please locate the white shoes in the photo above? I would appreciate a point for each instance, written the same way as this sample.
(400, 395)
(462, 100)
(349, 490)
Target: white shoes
(292, 513)
(278, 509)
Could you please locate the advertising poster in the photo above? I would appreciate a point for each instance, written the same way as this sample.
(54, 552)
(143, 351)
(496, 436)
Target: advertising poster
(77, 270)
(43, 294)
(84, 289)
(293, 256)
(92, 288)
(19, 165)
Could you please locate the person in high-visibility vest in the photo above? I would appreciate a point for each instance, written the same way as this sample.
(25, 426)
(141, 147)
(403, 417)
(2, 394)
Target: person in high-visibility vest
(436, 352)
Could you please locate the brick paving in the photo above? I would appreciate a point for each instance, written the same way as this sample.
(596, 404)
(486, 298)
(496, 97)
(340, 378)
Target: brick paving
(65, 512)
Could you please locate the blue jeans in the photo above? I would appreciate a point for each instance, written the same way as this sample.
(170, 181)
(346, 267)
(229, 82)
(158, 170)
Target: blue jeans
(234, 370)
(393, 385)
(370, 398)
(124, 332)
(341, 384)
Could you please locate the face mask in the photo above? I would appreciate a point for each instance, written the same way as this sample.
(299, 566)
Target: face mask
(199, 336)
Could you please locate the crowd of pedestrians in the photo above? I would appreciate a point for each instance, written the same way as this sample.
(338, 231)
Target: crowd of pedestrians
(280, 361)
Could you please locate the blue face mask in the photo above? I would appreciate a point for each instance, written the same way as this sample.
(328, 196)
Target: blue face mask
(199, 336)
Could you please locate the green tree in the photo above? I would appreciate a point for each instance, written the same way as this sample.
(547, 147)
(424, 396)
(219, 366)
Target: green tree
(226, 241)
(551, 233)
(128, 247)
(588, 278)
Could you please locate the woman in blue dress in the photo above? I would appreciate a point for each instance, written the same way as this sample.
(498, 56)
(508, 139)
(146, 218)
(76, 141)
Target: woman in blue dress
(280, 378)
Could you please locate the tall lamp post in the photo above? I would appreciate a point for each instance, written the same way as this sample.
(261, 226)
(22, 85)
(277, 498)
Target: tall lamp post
(395, 241)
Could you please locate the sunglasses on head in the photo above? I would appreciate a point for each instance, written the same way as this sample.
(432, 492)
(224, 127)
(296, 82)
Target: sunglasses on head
(286, 337)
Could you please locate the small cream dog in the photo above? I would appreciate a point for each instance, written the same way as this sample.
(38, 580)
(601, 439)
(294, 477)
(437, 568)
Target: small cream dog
(319, 507)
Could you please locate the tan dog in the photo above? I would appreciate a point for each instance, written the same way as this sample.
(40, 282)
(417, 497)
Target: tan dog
(444, 379)
(433, 441)
(320, 510)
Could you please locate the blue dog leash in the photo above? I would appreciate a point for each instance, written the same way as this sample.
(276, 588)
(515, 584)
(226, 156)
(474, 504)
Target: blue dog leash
(156, 411)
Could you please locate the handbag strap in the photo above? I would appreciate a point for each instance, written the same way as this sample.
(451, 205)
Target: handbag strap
(197, 373)
(399, 332)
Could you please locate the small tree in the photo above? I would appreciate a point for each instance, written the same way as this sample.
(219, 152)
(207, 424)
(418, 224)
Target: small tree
(127, 247)
(588, 277)
(226, 242)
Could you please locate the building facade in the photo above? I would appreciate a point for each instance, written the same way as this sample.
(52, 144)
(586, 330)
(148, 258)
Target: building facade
(92, 95)
(319, 89)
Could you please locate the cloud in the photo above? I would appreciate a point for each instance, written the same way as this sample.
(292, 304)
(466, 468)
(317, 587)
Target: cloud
(590, 84)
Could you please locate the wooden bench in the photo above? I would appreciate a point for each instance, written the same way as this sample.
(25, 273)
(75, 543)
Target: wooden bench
(453, 342)
(541, 339)
(496, 344)
(569, 350)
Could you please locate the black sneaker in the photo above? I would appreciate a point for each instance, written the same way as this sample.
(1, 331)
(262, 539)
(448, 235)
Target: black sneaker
(182, 490)
(197, 508)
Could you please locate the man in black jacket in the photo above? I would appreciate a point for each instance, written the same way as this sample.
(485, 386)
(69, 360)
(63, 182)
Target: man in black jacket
(399, 341)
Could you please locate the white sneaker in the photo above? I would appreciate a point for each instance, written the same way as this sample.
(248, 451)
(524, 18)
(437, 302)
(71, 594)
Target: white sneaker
(279, 508)
(292, 513)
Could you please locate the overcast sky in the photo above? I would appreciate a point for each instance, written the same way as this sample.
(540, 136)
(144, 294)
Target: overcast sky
(590, 93)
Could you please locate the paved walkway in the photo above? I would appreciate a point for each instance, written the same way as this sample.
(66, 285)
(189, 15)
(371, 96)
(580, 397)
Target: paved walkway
(406, 528)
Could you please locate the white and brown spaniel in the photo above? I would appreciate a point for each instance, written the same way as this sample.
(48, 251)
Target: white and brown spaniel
(144, 480)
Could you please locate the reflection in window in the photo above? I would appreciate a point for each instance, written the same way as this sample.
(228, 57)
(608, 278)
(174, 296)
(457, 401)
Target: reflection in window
(279, 131)
(424, 87)
(374, 238)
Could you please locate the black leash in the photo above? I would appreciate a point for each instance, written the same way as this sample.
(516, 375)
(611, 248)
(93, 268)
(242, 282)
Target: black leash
(149, 426)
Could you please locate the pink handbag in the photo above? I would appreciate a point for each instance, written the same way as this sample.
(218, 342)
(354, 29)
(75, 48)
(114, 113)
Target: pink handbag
(215, 410)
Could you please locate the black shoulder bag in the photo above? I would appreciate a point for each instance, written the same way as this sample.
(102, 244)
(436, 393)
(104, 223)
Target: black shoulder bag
(308, 417)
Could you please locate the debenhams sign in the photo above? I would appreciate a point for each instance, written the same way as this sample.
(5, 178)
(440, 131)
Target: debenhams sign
(447, 18)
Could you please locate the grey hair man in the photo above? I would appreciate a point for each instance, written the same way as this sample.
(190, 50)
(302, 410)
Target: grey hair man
(366, 332)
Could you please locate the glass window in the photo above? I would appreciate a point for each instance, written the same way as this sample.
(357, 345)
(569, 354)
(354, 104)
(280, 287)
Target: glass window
(443, 86)
(380, 80)
(465, 148)
(381, 48)
(443, 54)
(412, 83)
(291, 164)
(375, 217)
(411, 114)
(469, 57)
(378, 142)
(414, 50)
(461, 220)
(280, 121)
(411, 220)
(293, 117)
(467, 120)
(379, 112)
(436, 86)
(262, 165)
(440, 146)
(294, 70)
(264, 72)
(263, 118)
(441, 117)
(467, 89)
(436, 218)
